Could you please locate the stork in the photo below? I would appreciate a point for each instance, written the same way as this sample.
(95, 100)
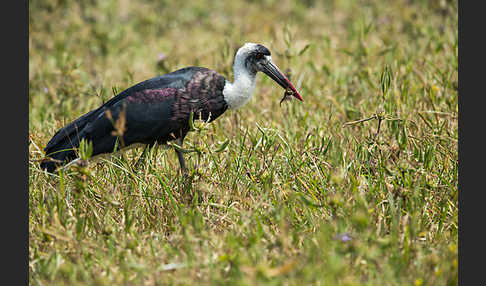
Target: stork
(159, 110)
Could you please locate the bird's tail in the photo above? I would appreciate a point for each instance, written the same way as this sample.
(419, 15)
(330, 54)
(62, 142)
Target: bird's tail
(57, 156)
(49, 166)
(61, 148)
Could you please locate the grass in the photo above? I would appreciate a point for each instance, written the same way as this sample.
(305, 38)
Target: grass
(303, 194)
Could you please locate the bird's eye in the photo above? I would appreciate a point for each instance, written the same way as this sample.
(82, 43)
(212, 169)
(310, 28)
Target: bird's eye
(259, 56)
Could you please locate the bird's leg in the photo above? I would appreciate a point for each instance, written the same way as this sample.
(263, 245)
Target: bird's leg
(186, 179)
(181, 161)
(141, 159)
(180, 156)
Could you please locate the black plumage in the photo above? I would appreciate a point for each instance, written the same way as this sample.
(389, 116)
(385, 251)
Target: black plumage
(154, 111)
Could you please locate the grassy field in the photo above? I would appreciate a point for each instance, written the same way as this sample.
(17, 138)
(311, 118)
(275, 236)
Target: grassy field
(299, 194)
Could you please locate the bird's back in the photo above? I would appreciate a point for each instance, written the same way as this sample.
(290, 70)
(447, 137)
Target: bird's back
(155, 110)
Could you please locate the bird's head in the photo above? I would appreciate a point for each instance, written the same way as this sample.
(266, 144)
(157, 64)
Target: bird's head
(256, 57)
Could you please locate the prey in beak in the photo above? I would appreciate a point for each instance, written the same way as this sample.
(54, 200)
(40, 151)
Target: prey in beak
(287, 95)
(267, 66)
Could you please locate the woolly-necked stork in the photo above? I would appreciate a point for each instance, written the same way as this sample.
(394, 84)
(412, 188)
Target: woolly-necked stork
(158, 110)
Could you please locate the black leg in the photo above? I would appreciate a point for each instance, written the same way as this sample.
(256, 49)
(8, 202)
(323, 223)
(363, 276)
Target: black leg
(180, 156)
(142, 157)
(181, 161)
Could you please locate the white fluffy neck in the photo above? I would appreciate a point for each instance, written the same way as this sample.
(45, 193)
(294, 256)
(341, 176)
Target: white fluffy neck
(237, 93)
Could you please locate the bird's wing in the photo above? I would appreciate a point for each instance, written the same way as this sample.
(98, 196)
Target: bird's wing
(70, 134)
(177, 79)
(153, 113)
